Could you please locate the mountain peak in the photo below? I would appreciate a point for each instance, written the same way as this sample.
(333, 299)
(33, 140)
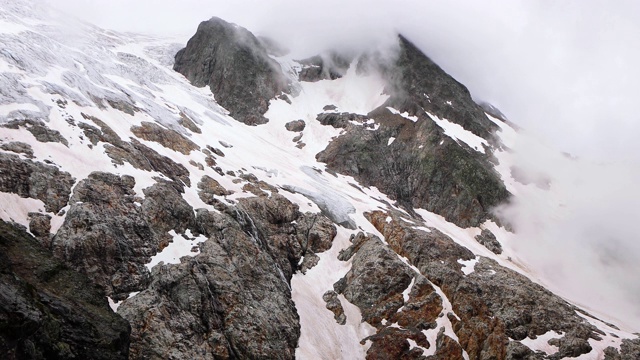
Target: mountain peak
(230, 59)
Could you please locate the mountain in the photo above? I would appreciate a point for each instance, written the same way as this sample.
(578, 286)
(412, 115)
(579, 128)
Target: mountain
(228, 201)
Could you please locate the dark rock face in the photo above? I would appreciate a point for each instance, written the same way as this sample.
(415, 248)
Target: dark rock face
(137, 154)
(629, 350)
(164, 209)
(422, 167)
(39, 130)
(232, 300)
(323, 67)
(333, 304)
(416, 81)
(489, 241)
(493, 302)
(295, 126)
(235, 65)
(39, 226)
(166, 137)
(35, 180)
(18, 148)
(375, 284)
(105, 235)
(48, 311)
(341, 120)
(208, 187)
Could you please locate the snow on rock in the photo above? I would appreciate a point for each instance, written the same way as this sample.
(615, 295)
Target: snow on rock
(457, 132)
(178, 248)
(541, 343)
(468, 265)
(391, 140)
(321, 336)
(403, 114)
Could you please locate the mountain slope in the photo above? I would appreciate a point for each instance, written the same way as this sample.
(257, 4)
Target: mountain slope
(347, 224)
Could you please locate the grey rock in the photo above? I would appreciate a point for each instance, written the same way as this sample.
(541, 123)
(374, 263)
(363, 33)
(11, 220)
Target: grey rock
(166, 137)
(494, 303)
(334, 305)
(489, 241)
(106, 236)
(208, 187)
(295, 125)
(39, 130)
(40, 227)
(629, 350)
(164, 209)
(137, 154)
(48, 311)
(35, 180)
(422, 168)
(329, 66)
(18, 148)
(342, 120)
(230, 60)
(233, 299)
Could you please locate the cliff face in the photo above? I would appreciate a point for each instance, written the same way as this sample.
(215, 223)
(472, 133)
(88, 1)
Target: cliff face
(236, 67)
(49, 311)
(355, 221)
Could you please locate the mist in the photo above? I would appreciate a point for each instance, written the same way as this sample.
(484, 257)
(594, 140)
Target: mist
(565, 72)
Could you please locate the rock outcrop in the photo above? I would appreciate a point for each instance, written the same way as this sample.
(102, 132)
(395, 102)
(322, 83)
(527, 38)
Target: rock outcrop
(31, 179)
(328, 66)
(235, 65)
(420, 167)
(48, 311)
(233, 299)
(105, 235)
(493, 303)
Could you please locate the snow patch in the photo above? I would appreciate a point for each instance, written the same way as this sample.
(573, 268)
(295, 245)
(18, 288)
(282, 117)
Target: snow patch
(541, 343)
(178, 248)
(403, 114)
(468, 266)
(457, 132)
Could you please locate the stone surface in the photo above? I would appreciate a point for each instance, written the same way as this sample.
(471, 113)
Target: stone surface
(376, 283)
(105, 235)
(48, 311)
(333, 304)
(39, 130)
(489, 241)
(230, 60)
(18, 148)
(137, 154)
(493, 303)
(329, 66)
(166, 137)
(208, 188)
(295, 126)
(233, 299)
(421, 168)
(40, 227)
(629, 350)
(35, 180)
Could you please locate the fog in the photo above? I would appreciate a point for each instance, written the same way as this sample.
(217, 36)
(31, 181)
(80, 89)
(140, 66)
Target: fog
(567, 72)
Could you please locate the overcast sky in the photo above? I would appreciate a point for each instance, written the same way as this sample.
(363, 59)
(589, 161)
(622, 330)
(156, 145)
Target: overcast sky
(568, 72)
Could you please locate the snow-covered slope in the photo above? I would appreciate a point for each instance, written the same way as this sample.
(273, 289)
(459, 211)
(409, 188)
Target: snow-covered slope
(68, 77)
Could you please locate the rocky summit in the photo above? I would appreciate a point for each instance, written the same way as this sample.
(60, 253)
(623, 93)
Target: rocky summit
(221, 199)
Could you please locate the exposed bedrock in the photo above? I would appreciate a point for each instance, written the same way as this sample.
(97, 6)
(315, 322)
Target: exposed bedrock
(236, 67)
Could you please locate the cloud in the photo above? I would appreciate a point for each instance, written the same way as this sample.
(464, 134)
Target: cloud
(565, 71)
(580, 233)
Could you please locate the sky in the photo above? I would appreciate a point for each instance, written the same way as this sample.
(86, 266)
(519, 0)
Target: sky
(566, 72)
